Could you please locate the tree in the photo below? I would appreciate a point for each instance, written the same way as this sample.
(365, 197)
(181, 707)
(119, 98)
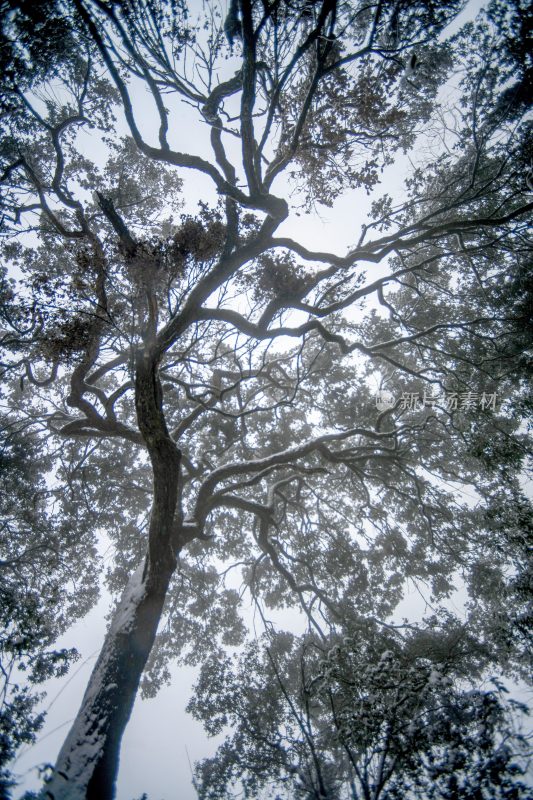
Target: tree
(377, 715)
(201, 383)
(35, 580)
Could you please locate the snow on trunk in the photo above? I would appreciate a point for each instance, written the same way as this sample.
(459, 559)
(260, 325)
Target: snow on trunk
(87, 764)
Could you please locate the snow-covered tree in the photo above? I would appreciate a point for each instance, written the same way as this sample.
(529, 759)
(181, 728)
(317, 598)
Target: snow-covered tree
(379, 713)
(200, 382)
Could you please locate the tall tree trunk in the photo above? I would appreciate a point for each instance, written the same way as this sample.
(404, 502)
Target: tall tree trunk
(87, 764)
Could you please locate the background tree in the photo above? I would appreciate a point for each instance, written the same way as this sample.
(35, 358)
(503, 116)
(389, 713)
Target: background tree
(378, 715)
(39, 594)
(201, 381)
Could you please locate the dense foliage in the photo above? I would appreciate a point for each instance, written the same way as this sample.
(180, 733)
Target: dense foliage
(376, 715)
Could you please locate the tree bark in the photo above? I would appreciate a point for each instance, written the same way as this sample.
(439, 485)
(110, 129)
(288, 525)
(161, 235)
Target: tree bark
(87, 764)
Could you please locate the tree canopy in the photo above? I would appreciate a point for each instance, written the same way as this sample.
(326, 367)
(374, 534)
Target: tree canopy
(195, 386)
